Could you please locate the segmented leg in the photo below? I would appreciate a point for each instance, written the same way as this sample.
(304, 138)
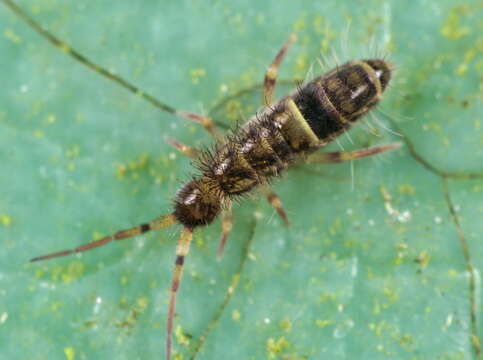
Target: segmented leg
(207, 122)
(182, 251)
(271, 75)
(274, 200)
(340, 156)
(226, 226)
(156, 224)
(185, 149)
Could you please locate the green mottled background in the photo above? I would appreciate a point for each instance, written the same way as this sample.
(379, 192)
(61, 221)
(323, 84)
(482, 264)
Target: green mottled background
(355, 277)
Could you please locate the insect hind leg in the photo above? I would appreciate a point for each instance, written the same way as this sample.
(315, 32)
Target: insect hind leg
(271, 75)
(341, 156)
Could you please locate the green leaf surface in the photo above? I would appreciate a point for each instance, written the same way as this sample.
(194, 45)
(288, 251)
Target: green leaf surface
(384, 264)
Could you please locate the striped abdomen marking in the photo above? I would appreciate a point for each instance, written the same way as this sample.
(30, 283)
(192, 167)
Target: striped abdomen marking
(332, 102)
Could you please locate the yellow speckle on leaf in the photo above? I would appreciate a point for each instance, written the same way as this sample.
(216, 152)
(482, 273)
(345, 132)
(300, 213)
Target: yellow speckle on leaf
(69, 353)
(132, 317)
(181, 337)
(276, 347)
(5, 220)
(327, 297)
(71, 166)
(391, 294)
(124, 280)
(56, 305)
(235, 315)
(476, 341)
(300, 23)
(64, 47)
(477, 124)
(73, 151)
(233, 109)
(121, 171)
(249, 77)
(74, 270)
(423, 259)
(3, 318)
(285, 325)
(50, 119)
(133, 167)
(433, 127)
(38, 133)
(323, 323)
(199, 240)
(470, 54)
(79, 118)
(406, 189)
(141, 303)
(378, 328)
(335, 227)
(452, 273)
(97, 235)
(196, 75)
(11, 36)
(224, 88)
(322, 28)
(462, 69)
(452, 28)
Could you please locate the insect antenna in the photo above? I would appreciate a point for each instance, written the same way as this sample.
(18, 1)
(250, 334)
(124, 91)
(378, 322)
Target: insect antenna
(182, 250)
(156, 224)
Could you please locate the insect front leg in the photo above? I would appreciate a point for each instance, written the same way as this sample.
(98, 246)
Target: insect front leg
(189, 151)
(182, 251)
(275, 201)
(207, 122)
(271, 75)
(226, 226)
(341, 156)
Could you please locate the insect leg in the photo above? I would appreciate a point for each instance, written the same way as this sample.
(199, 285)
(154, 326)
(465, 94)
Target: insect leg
(226, 226)
(271, 74)
(340, 156)
(274, 200)
(156, 224)
(182, 251)
(207, 122)
(185, 149)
